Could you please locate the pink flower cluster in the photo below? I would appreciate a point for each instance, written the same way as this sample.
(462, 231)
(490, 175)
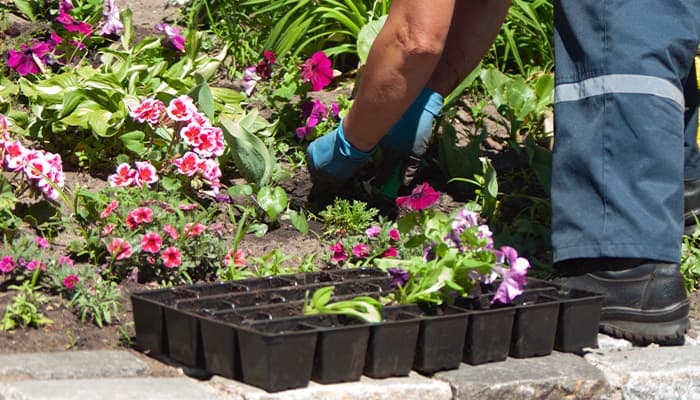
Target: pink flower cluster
(363, 250)
(313, 113)
(143, 173)
(43, 168)
(206, 142)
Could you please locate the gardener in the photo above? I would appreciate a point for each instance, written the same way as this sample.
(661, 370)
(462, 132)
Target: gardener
(621, 134)
(619, 162)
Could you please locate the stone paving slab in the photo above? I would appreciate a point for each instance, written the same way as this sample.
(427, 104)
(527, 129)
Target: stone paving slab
(107, 389)
(559, 375)
(412, 387)
(71, 365)
(652, 372)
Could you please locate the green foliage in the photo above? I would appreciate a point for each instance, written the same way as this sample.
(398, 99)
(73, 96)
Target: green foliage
(347, 217)
(96, 300)
(24, 310)
(690, 261)
(254, 161)
(364, 308)
(525, 44)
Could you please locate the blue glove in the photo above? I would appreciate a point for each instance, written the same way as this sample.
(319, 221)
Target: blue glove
(332, 160)
(405, 143)
(410, 135)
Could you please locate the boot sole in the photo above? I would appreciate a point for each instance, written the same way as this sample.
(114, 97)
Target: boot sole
(664, 327)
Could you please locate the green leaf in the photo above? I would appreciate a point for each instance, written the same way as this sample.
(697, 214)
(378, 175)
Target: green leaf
(240, 190)
(26, 8)
(299, 221)
(203, 97)
(170, 184)
(366, 37)
(250, 155)
(99, 122)
(273, 201)
(127, 18)
(134, 141)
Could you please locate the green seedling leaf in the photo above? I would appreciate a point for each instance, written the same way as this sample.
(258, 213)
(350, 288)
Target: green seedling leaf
(203, 97)
(134, 141)
(273, 201)
(298, 220)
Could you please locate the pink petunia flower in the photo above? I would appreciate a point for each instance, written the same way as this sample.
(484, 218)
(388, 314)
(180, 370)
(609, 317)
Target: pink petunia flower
(373, 231)
(65, 260)
(107, 230)
(108, 210)
(124, 176)
(140, 215)
(119, 248)
(187, 164)
(317, 70)
(421, 197)
(361, 250)
(192, 230)
(181, 109)
(29, 60)
(171, 231)
(171, 257)
(41, 242)
(145, 173)
(394, 235)
(151, 242)
(31, 266)
(7, 264)
(338, 253)
(70, 281)
(150, 110)
(172, 36)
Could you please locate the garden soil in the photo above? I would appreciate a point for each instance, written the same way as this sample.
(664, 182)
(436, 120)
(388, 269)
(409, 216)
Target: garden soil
(67, 332)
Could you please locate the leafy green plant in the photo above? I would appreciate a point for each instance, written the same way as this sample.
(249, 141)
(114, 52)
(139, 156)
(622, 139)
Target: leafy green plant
(364, 308)
(345, 216)
(96, 300)
(24, 310)
(690, 261)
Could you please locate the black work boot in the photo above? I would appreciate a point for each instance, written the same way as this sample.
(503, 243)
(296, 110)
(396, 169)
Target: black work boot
(691, 205)
(645, 301)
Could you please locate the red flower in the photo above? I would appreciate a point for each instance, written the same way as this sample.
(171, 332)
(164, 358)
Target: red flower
(151, 242)
(145, 173)
(108, 210)
(70, 281)
(125, 176)
(171, 257)
(149, 110)
(107, 229)
(181, 109)
(421, 197)
(187, 165)
(394, 235)
(361, 250)
(120, 247)
(238, 258)
(391, 252)
(317, 70)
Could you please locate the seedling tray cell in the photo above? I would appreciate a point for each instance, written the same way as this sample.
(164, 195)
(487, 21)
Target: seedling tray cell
(392, 344)
(535, 325)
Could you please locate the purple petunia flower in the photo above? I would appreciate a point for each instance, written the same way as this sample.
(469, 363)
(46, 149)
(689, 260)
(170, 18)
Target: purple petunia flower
(172, 36)
(513, 278)
(112, 24)
(399, 277)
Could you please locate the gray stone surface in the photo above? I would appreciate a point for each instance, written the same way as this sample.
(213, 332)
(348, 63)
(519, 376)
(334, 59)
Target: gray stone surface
(107, 389)
(413, 387)
(556, 376)
(652, 372)
(71, 364)
(608, 343)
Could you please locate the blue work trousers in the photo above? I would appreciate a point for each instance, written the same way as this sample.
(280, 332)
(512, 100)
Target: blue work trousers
(625, 119)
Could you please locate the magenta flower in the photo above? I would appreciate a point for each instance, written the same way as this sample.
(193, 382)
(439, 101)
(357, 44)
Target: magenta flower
(361, 250)
(7, 264)
(112, 24)
(338, 253)
(188, 164)
(192, 230)
(171, 257)
(108, 210)
(250, 79)
(373, 231)
(70, 281)
(421, 197)
(171, 231)
(124, 176)
(391, 252)
(41, 242)
(138, 216)
(394, 235)
(513, 278)
(314, 113)
(65, 260)
(31, 266)
(317, 70)
(151, 242)
(107, 229)
(119, 248)
(71, 24)
(30, 59)
(172, 36)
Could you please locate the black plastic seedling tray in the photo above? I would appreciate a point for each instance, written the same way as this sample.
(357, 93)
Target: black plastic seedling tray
(254, 330)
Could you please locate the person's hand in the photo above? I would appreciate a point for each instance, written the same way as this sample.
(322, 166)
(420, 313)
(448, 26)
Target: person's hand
(332, 161)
